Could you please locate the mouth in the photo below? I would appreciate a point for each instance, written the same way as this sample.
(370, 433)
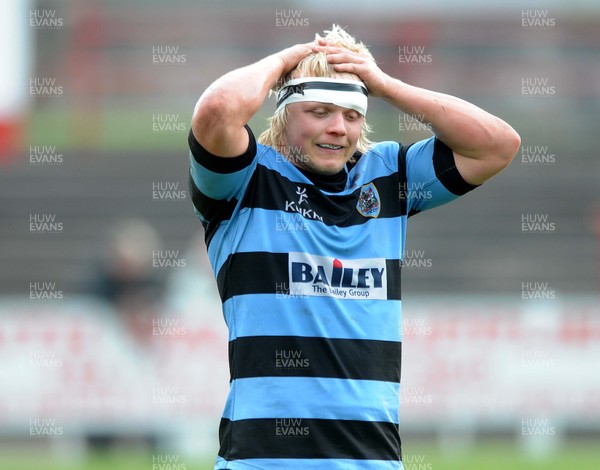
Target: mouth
(330, 146)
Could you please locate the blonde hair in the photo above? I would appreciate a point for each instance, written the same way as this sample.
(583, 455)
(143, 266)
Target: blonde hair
(316, 65)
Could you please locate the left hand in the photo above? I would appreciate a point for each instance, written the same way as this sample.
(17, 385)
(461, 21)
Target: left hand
(345, 61)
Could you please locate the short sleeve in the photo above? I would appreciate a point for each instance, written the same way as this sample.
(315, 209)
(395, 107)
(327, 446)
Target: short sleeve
(217, 183)
(432, 178)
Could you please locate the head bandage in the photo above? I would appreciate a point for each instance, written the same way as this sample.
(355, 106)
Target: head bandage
(349, 94)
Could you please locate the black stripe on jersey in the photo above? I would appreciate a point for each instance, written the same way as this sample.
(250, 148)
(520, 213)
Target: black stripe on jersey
(402, 180)
(222, 164)
(299, 438)
(214, 211)
(298, 356)
(446, 171)
(253, 273)
(261, 272)
(270, 190)
(393, 268)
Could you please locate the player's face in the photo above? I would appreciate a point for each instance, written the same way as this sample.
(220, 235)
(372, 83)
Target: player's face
(321, 137)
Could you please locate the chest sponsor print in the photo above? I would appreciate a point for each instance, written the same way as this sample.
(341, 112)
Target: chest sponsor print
(313, 275)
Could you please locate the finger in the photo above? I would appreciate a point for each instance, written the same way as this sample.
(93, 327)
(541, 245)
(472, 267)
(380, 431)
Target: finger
(333, 50)
(347, 67)
(329, 49)
(343, 57)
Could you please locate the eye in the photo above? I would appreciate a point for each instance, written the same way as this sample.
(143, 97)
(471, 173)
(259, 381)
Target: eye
(319, 112)
(352, 116)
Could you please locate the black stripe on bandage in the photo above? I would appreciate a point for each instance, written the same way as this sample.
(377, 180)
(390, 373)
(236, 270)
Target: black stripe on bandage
(317, 85)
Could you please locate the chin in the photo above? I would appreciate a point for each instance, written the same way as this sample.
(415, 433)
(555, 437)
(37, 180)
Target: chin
(324, 169)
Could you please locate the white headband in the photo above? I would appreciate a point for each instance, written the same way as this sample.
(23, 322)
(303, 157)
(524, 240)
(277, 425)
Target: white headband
(349, 94)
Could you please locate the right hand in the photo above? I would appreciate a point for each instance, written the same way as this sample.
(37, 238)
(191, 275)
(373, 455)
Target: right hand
(293, 55)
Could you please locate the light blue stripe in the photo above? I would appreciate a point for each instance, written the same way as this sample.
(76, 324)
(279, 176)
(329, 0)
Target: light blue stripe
(313, 398)
(433, 195)
(381, 160)
(273, 160)
(307, 464)
(220, 247)
(220, 185)
(326, 317)
(424, 189)
(227, 237)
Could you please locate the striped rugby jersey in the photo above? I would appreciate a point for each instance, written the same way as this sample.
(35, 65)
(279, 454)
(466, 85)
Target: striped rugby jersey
(309, 277)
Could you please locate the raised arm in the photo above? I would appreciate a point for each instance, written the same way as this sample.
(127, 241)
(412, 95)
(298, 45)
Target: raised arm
(227, 104)
(482, 144)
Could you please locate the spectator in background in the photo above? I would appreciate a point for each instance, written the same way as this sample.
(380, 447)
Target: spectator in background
(126, 279)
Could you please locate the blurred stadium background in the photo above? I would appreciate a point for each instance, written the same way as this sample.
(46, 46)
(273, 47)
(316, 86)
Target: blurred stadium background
(112, 345)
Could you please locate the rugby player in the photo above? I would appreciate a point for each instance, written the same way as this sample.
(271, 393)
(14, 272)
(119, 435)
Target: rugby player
(305, 229)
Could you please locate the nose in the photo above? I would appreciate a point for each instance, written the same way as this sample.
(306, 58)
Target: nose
(336, 124)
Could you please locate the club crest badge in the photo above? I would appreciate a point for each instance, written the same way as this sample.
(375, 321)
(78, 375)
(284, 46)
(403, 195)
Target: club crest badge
(368, 203)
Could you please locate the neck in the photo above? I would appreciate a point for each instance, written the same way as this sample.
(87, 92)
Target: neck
(328, 182)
